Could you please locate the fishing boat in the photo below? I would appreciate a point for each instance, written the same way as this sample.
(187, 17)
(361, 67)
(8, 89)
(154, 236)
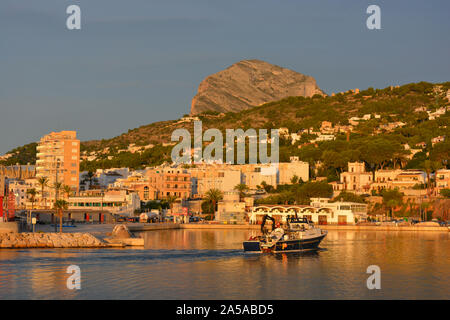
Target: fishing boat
(299, 234)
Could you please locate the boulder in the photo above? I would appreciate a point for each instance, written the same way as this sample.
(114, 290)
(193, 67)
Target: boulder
(121, 231)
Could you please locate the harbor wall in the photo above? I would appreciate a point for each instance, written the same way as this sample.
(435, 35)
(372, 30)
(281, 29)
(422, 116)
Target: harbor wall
(206, 226)
(49, 240)
(6, 227)
(137, 227)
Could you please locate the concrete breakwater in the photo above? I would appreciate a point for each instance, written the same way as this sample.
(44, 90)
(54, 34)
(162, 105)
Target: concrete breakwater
(49, 240)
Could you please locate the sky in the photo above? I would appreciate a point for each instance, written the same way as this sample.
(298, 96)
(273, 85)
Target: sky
(136, 62)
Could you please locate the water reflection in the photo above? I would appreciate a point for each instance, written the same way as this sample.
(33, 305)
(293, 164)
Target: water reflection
(210, 264)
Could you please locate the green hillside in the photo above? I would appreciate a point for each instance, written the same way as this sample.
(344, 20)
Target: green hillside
(369, 141)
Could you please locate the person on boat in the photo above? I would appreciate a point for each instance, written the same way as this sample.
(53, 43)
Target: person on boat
(278, 232)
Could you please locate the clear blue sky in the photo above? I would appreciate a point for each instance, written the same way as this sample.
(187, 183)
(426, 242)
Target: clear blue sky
(140, 61)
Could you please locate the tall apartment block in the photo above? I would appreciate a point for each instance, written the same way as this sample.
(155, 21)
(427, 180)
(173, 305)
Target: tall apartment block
(58, 159)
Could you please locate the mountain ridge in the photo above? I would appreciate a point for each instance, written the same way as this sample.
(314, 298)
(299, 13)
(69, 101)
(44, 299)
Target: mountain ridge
(412, 104)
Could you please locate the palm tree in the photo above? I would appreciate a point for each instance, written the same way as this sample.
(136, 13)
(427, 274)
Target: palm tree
(214, 196)
(58, 186)
(170, 199)
(242, 188)
(430, 167)
(61, 205)
(43, 182)
(89, 177)
(67, 190)
(32, 195)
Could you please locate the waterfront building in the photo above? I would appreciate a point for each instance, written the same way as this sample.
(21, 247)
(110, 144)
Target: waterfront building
(18, 171)
(222, 177)
(169, 181)
(138, 182)
(359, 210)
(231, 209)
(442, 179)
(119, 202)
(107, 177)
(400, 179)
(355, 179)
(19, 189)
(2, 186)
(339, 213)
(287, 170)
(253, 175)
(58, 159)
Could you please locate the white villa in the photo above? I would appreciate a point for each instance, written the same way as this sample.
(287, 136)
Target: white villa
(320, 212)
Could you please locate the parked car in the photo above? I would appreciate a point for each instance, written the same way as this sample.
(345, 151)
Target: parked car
(121, 219)
(195, 219)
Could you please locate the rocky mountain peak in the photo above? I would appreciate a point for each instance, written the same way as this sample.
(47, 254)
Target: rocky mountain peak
(250, 83)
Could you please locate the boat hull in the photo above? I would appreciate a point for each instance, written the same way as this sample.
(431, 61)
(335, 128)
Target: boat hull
(282, 246)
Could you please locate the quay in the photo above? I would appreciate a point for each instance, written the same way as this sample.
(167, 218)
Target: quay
(208, 226)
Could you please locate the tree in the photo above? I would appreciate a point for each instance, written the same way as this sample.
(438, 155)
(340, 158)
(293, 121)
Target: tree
(445, 193)
(441, 152)
(348, 197)
(67, 190)
(392, 199)
(207, 207)
(430, 166)
(32, 195)
(170, 199)
(61, 205)
(335, 160)
(242, 188)
(294, 179)
(58, 186)
(43, 182)
(267, 187)
(214, 196)
(89, 177)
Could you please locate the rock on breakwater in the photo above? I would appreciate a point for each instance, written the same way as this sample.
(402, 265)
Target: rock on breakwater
(49, 240)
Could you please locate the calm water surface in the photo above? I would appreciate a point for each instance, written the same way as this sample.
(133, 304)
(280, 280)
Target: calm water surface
(210, 264)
